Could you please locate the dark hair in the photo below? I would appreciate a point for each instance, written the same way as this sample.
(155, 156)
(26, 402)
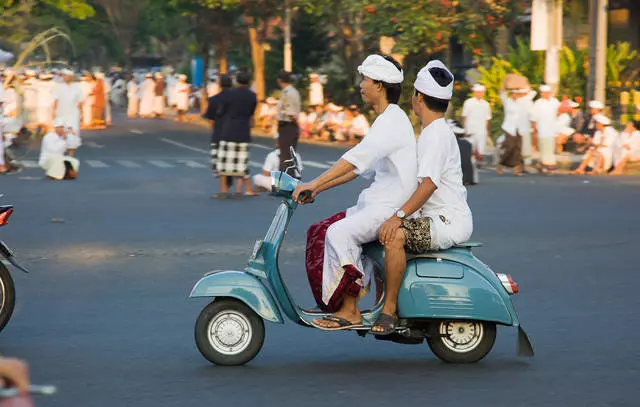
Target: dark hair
(284, 76)
(393, 90)
(226, 81)
(243, 78)
(636, 124)
(434, 104)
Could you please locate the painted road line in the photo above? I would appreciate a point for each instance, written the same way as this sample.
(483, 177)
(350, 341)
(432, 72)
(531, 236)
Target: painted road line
(315, 164)
(96, 164)
(129, 164)
(160, 164)
(29, 163)
(188, 147)
(93, 144)
(192, 164)
(255, 164)
(134, 131)
(261, 146)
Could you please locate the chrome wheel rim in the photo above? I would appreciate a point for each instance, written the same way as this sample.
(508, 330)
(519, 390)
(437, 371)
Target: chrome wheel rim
(461, 336)
(2, 295)
(229, 332)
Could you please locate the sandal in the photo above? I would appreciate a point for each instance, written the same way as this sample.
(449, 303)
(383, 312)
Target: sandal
(221, 196)
(388, 324)
(343, 324)
(251, 194)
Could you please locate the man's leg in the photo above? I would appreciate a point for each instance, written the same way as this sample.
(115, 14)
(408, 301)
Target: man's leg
(224, 184)
(395, 263)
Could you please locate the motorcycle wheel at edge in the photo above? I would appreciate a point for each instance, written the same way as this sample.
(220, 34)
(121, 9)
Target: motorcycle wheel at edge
(229, 333)
(7, 296)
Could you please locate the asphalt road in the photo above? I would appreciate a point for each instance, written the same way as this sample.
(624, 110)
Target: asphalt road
(104, 313)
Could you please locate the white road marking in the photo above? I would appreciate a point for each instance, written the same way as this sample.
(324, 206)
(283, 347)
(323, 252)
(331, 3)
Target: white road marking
(178, 144)
(261, 146)
(136, 131)
(96, 164)
(93, 144)
(315, 164)
(255, 164)
(160, 164)
(128, 164)
(29, 163)
(331, 162)
(192, 164)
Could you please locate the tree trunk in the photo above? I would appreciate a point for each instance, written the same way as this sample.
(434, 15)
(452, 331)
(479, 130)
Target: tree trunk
(204, 54)
(257, 57)
(221, 56)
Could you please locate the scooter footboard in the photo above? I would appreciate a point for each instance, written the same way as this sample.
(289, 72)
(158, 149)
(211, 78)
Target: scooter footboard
(241, 286)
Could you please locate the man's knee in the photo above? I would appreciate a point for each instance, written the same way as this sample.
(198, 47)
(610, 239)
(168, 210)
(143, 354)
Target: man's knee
(397, 242)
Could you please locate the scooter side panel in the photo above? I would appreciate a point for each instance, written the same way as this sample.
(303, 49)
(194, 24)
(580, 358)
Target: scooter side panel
(470, 297)
(241, 286)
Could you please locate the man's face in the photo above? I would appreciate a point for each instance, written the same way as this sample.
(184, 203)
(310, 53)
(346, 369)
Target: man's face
(68, 78)
(594, 111)
(546, 95)
(368, 90)
(60, 130)
(479, 94)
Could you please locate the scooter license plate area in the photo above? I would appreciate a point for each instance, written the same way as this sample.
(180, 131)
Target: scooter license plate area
(438, 268)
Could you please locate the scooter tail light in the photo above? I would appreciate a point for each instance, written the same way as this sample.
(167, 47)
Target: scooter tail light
(508, 283)
(4, 217)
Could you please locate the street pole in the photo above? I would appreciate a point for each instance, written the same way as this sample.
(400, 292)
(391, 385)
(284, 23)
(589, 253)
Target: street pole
(554, 44)
(597, 50)
(288, 60)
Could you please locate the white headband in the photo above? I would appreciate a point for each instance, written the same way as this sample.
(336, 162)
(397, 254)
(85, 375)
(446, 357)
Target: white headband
(67, 72)
(427, 85)
(379, 69)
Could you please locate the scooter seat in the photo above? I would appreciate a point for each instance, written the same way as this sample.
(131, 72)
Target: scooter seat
(375, 251)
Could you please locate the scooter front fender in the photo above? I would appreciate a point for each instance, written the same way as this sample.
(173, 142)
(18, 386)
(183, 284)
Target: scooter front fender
(241, 286)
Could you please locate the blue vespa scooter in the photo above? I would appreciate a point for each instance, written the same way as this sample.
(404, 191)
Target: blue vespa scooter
(449, 297)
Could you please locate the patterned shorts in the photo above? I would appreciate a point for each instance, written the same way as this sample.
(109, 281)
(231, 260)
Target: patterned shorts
(417, 233)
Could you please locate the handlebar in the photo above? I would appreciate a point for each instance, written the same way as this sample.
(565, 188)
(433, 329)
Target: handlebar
(306, 196)
(34, 389)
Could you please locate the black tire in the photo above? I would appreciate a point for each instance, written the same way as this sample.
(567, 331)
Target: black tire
(477, 346)
(238, 317)
(7, 296)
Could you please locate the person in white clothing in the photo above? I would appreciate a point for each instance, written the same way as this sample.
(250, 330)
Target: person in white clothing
(53, 159)
(67, 101)
(599, 157)
(359, 125)
(45, 101)
(524, 104)
(628, 147)
(545, 126)
(107, 97)
(387, 154)
(30, 87)
(182, 98)
(147, 95)
(476, 113)
(437, 215)
(132, 98)
(272, 163)
(316, 92)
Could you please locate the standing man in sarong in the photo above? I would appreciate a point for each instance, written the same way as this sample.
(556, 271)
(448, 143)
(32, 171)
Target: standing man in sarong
(544, 123)
(387, 154)
(476, 113)
(132, 97)
(147, 94)
(158, 101)
(97, 107)
(67, 101)
(288, 112)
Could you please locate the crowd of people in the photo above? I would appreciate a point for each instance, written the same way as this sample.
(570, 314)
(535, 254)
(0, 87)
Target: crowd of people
(535, 131)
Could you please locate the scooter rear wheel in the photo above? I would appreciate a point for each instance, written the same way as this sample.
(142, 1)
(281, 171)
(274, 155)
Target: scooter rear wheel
(461, 341)
(229, 333)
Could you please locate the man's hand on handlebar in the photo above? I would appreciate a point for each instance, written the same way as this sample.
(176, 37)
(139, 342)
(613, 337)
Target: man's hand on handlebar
(305, 193)
(16, 373)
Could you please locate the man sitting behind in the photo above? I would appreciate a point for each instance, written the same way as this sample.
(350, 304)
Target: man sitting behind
(442, 217)
(272, 163)
(53, 158)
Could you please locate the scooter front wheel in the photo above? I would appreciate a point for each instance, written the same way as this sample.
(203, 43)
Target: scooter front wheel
(229, 333)
(461, 341)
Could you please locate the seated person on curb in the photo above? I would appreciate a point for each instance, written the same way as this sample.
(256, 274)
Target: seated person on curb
(628, 147)
(599, 157)
(53, 158)
(441, 217)
(387, 154)
(272, 163)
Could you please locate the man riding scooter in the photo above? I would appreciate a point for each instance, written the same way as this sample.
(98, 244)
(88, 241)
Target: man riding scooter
(388, 155)
(442, 216)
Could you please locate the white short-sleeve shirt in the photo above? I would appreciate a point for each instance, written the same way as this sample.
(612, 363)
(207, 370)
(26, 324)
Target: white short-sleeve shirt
(544, 114)
(477, 112)
(52, 145)
(68, 97)
(388, 152)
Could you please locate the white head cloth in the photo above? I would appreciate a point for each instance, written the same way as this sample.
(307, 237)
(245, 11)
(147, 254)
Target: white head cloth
(596, 104)
(567, 131)
(427, 85)
(478, 88)
(59, 123)
(67, 72)
(545, 88)
(379, 69)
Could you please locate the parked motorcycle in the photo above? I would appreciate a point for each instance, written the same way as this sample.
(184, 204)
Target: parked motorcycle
(7, 289)
(449, 298)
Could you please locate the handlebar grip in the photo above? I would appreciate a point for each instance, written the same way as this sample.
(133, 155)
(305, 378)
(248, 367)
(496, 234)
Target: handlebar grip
(305, 196)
